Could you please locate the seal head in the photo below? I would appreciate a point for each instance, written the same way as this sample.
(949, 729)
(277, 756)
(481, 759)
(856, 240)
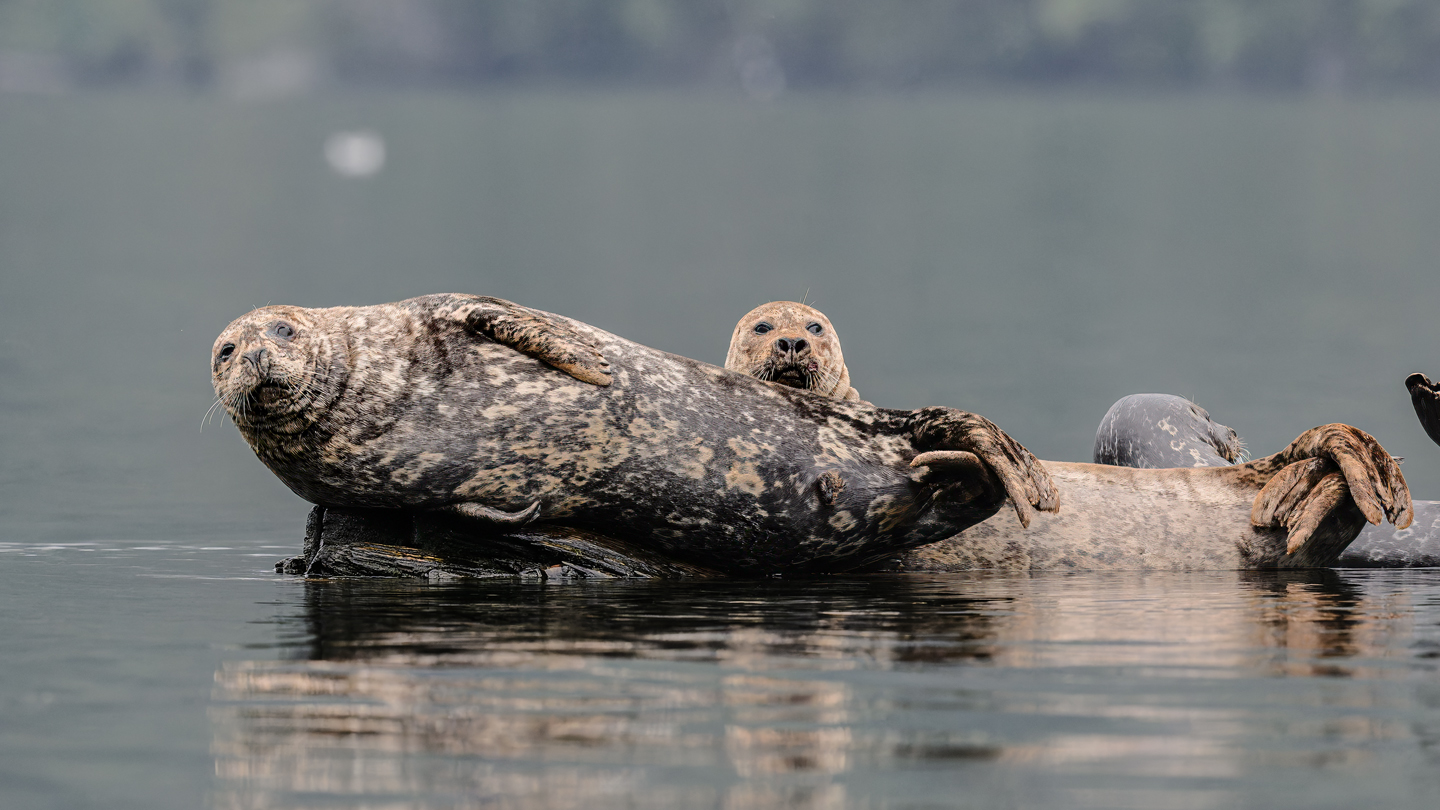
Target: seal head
(275, 371)
(791, 344)
(1157, 431)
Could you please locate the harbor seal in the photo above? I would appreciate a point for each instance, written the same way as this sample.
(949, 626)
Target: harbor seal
(507, 415)
(1204, 518)
(1425, 396)
(1155, 431)
(791, 344)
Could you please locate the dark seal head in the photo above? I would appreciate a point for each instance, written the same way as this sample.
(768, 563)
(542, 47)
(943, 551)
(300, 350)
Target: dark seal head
(791, 344)
(1425, 396)
(1158, 431)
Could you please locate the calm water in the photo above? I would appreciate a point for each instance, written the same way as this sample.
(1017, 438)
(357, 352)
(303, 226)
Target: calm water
(1032, 259)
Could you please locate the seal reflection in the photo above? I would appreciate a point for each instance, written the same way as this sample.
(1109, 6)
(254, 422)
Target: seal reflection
(824, 693)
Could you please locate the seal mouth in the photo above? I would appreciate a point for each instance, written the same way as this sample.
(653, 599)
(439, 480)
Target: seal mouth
(790, 372)
(252, 396)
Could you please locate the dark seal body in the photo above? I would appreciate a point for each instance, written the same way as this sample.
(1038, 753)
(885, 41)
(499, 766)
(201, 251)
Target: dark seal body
(454, 402)
(1156, 431)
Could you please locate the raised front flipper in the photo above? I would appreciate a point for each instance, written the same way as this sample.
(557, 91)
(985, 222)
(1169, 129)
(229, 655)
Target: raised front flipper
(1425, 396)
(538, 334)
(1311, 479)
(968, 445)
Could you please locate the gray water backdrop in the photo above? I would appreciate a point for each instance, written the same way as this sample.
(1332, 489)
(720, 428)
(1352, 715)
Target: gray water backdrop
(1031, 258)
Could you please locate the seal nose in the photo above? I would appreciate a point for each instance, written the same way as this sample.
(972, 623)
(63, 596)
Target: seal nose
(786, 345)
(254, 356)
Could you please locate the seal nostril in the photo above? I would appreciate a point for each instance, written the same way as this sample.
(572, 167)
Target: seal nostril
(783, 345)
(801, 345)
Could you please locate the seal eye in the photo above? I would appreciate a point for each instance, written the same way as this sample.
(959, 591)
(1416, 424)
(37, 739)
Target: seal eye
(283, 330)
(762, 327)
(225, 351)
(815, 328)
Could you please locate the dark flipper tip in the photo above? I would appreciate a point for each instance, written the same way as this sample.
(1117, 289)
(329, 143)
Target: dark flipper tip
(1426, 399)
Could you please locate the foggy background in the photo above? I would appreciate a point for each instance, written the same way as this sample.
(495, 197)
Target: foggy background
(274, 47)
(1027, 209)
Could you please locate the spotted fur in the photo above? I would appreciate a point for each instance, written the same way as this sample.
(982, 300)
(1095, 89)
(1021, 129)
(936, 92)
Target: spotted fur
(483, 408)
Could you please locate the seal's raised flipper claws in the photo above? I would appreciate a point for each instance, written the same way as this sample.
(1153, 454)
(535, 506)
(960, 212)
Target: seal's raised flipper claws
(1376, 483)
(1298, 498)
(539, 334)
(959, 437)
(1425, 396)
(499, 517)
(1316, 474)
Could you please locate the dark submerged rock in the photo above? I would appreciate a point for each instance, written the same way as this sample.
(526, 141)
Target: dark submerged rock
(395, 543)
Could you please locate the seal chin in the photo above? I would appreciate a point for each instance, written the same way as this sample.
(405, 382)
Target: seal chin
(803, 373)
(793, 374)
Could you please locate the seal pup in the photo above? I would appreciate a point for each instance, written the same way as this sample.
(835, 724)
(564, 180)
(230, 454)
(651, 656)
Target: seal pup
(1294, 509)
(1155, 431)
(503, 414)
(791, 344)
(1425, 396)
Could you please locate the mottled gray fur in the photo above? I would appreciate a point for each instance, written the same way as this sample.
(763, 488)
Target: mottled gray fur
(459, 403)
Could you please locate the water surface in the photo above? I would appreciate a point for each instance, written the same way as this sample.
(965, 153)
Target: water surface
(173, 675)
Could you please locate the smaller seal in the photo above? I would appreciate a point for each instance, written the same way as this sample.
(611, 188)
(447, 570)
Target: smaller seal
(1156, 431)
(791, 344)
(1425, 396)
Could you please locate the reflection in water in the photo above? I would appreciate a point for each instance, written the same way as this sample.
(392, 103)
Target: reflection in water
(1115, 689)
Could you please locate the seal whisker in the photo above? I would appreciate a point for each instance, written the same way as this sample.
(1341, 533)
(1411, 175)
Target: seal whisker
(210, 412)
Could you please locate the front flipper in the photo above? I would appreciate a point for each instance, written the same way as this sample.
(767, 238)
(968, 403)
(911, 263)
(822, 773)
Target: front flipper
(1425, 396)
(538, 334)
(968, 444)
(1310, 479)
(498, 517)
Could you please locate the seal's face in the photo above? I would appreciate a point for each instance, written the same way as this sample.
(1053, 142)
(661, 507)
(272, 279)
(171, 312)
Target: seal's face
(269, 366)
(791, 344)
(1224, 439)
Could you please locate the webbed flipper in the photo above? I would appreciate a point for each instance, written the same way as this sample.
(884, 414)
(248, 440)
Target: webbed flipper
(965, 444)
(1311, 478)
(498, 517)
(539, 334)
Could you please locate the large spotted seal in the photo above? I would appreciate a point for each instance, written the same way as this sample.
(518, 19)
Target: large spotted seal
(479, 407)
(791, 344)
(1196, 518)
(1155, 431)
